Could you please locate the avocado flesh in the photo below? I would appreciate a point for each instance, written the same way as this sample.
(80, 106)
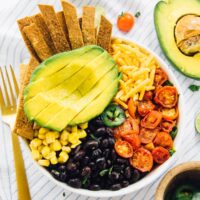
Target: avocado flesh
(102, 66)
(49, 82)
(38, 103)
(166, 15)
(92, 110)
(69, 111)
(58, 61)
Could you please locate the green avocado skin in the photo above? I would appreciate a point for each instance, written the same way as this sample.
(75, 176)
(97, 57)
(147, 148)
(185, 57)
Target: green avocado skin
(177, 4)
(93, 82)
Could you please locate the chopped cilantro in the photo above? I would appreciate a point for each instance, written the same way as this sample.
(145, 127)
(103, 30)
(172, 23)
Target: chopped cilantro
(194, 88)
(137, 14)
(174, 131)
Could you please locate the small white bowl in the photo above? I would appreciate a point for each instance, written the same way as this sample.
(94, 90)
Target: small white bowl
(152, 176)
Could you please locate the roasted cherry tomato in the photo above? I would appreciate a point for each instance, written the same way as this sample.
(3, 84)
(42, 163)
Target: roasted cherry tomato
(130, 126)
(142, 160)
(169, 113)
(163, 139)
(148, 135)
(160, 155)
(133, 139)
(166, 96)
(125, 22)
(160, 77)
(113, 116)
(151, 120)
(148, 96)
(167, 126)
(144, 107)
(131, 107)
(123, 149)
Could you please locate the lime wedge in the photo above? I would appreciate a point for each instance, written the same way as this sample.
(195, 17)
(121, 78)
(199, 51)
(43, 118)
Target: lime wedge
(197, 123)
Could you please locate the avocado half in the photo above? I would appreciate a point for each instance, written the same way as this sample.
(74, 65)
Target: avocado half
(166, 16)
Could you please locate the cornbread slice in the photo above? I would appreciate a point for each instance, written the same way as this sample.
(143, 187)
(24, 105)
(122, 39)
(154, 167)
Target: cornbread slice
(22, 72)
(57, 34)
(88, 28)
(75, 34)
(80, 23)
(61, 19)
(37, 41)
(22, 125)
(21, 24)
(104, 34)
(39, 21)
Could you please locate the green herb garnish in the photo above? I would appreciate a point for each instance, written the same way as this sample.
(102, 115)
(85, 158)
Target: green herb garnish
(137, 14)
(168, 83)
(194, 88)
(172, 151)
(110, 170)
(85, 181)
(93, 137)
(103, 172)
(174, 131)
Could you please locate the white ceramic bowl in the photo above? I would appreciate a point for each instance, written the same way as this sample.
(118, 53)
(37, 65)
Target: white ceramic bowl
(151, 177)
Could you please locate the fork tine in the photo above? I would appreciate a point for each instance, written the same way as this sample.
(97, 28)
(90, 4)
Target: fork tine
(2, 102)
(10, 87)
(14, 81)
(5, 89)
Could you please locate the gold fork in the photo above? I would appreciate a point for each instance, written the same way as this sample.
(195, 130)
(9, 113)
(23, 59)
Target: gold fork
(8, 107)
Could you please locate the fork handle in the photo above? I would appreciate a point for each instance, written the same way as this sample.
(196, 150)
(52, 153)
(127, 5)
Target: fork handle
(22, 183)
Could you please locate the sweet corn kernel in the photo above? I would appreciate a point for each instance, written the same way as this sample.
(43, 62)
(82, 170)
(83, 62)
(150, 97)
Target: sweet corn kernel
(36, 155)
(44, 142)
(55, 146)
(66, 148)
(50, 155)
(36, 133)
(41, 136)
(83, 126)
(82, 134)
(64, 135)
(57, 134)
(54, 160)
(40, 147)
(150, 146)
(45, 151)
(68, 129)
(74, 129)
(44, 162)
(76, 144)
(50, 137)
(73, 138)
(35, 143)
(43, 130)
(63, 157)
(64, 142)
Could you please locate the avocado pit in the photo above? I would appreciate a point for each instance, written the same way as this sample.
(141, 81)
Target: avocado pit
(187, 34)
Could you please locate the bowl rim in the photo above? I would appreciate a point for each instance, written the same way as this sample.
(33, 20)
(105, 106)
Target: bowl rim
(179, 169)
(156, 173)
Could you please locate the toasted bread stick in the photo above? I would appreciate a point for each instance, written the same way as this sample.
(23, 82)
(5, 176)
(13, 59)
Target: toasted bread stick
(37, 41)
(61, 19)
(22, 72)
(104, 34)
(22, 23)
(22, 126)
(75, 34)
(80, 23)
(88, 29)
(57, 34)
(39, 21)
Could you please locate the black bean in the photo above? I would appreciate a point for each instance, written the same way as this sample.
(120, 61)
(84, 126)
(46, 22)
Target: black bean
(94, 187)
(109, 131)
(86, 171)
(135, 175)
(117, 168)
(62, 168)
(106, 153)
(111, 142)
(85, 160)
(63, 176)
(76, 150)
(116, 186)
(101, 163)
(113, 155)
(96, 153)
(55, 173)
(114, 176)
(121, 161)
(109, 163)
(79, 155)
(127, 172)
(98, 122)
(100, 131)
(104, 143)
(71, 167)
(93, 165)
(92, 127)
(125, 183)
(91, 145)
(75, 182)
